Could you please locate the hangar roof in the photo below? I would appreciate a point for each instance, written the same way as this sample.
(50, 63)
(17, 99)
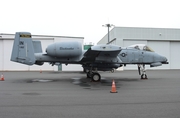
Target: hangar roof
(141, 33)
(10, 36)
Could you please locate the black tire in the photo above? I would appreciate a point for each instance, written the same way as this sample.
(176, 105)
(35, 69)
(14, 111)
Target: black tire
(112, 71)
(96, 77)
(144, 76)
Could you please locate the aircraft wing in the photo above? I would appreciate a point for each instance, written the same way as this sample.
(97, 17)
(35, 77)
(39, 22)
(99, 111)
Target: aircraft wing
(102, 54)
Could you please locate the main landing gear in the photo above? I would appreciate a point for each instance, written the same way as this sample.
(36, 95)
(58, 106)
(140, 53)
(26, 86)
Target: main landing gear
(95, 76)
(141, 69)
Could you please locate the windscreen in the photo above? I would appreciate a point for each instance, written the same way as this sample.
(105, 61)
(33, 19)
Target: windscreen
(142, 47)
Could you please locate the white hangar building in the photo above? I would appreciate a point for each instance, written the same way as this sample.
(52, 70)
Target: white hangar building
(165, 41)
(6, 44)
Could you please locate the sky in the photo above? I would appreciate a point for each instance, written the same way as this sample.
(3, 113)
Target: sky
(84, 18)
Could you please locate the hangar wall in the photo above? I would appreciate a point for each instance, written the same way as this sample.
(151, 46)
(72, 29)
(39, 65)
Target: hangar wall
(1, 54)
(174, 55)
(165, 41)
(6, 43)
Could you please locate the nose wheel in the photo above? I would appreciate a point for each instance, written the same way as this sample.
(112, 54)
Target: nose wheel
(144, 76)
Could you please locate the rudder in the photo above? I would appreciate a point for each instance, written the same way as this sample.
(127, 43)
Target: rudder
(23, 51)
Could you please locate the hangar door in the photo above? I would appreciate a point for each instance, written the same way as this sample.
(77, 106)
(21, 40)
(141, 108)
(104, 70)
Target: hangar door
(127, 42)
(174, 55)
(1, 54)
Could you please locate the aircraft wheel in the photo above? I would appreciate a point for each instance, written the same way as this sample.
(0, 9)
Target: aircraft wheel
(89, 75)
(144, 76)
(112, 71)
(96, 77)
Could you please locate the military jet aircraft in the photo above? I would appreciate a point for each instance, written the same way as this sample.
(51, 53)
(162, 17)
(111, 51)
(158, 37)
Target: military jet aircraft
(97, 58)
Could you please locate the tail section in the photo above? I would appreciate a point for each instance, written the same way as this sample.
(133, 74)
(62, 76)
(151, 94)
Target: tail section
(37, 46)
(23, 50)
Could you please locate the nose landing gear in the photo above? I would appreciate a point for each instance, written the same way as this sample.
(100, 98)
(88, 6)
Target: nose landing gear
(141, 69)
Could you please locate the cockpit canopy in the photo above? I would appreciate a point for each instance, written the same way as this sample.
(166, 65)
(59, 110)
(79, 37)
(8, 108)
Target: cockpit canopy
(142, 47)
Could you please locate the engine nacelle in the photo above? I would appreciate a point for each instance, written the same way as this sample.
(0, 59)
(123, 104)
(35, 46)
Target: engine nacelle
(65, 49)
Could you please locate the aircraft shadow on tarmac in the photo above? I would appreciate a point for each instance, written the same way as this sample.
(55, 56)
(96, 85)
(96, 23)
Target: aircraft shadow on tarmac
(76, 78)
(82, 82)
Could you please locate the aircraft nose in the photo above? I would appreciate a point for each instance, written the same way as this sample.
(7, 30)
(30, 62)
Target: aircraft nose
(164, 60)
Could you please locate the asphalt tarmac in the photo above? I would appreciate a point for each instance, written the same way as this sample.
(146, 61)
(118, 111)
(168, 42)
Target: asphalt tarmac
(72, 95)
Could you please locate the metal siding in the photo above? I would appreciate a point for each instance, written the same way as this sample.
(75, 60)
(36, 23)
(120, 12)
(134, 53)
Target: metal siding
(174, 55)
(143, 33)
(127, 42)
(72, 67)
(147, 33)
(1, 54)
(119, 42)
(45, 67)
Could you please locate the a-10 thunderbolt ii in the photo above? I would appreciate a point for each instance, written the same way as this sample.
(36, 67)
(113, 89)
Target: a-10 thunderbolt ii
(97, 58)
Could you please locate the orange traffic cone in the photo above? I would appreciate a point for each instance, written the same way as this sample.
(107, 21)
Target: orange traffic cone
(2, 77)
(113, 89)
